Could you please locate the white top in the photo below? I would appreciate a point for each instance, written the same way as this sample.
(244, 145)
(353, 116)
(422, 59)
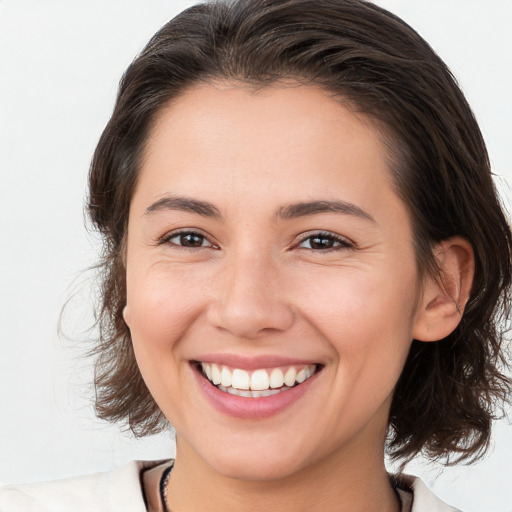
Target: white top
(120, 491)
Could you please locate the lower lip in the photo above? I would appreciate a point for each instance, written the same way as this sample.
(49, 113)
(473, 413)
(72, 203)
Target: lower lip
(251, 408)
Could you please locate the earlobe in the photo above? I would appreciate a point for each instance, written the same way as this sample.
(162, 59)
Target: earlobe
(445, 294)
(126, 315)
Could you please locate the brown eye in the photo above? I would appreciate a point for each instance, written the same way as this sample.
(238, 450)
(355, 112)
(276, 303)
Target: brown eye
(189, 239)
(324, 241)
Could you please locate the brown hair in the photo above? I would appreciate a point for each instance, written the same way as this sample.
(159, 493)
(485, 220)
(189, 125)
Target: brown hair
(447, 394)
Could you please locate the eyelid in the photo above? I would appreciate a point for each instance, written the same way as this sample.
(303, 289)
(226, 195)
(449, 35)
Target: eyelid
(344, 242)
(196, 231)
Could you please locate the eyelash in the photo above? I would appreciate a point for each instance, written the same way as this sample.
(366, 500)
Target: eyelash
(339, 243)
(343, 243)
(167, 239)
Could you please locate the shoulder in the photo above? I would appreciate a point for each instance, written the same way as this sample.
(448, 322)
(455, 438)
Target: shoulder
(112, 491)
(423, 499)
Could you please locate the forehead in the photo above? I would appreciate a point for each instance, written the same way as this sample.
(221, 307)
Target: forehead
(252, 153)
(243, 113)
(232, 133)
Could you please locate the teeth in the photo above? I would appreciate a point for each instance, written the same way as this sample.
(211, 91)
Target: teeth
(259, 383)
(225, 377)
(260, 380)
(289, 378)
(276, 378)
(251, 394)
(301, 376)
(240, 379)
(239, 392)
(215, 374)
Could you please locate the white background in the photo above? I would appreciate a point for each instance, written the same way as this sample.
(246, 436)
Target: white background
(60, 62)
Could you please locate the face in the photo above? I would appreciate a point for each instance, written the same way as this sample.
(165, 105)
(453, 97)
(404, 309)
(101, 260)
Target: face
(268, 252)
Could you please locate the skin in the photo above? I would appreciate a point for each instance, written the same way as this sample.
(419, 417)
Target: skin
(257, 286)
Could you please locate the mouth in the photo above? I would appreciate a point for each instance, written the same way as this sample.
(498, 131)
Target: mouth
(257, 383)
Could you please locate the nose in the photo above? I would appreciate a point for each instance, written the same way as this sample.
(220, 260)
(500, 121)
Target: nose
(250, 300)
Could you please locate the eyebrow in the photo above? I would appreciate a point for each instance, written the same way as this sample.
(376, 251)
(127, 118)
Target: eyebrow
(184, 204)
(315, 207)
(290, 211)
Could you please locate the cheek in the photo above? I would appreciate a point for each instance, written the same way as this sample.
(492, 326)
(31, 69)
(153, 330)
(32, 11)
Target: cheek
(365, 316)
(162, 305)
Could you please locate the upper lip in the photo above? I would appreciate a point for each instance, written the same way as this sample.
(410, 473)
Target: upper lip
(253, 362)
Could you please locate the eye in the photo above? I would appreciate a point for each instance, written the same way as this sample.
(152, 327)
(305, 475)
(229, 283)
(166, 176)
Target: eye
(324, 241)
(188, 239)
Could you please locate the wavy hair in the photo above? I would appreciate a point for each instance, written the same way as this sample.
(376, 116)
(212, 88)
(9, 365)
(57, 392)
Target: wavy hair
(450, 390)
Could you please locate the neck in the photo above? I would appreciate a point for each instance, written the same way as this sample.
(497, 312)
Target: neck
(337, 483)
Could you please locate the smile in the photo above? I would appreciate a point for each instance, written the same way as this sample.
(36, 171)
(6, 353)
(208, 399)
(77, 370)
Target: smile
(258, 383)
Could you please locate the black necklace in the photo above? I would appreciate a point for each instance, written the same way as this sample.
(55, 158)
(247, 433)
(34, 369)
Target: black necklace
(163, 487)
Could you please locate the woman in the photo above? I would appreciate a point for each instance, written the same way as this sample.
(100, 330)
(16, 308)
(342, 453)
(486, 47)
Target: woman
(295, 270)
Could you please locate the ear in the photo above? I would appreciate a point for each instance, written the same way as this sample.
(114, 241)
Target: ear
(445, 295)
(126, 316)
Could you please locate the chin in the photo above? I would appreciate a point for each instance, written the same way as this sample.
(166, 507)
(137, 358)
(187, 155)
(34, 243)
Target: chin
(256, 468)
(253, 458)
